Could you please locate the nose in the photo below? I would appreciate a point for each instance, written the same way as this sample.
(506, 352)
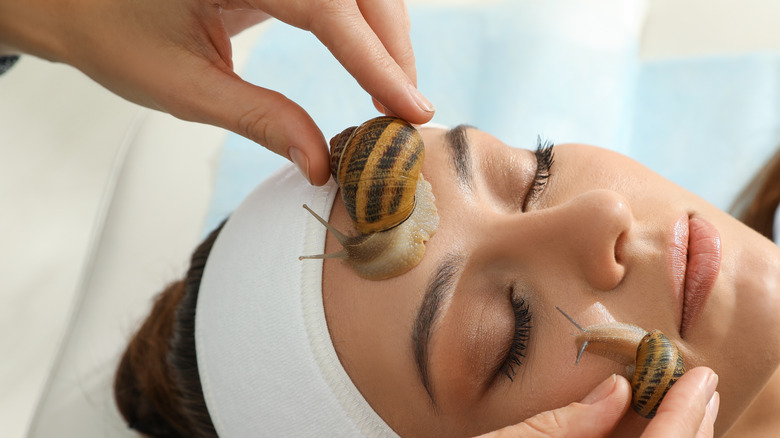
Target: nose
(583, 237)
(599, 224)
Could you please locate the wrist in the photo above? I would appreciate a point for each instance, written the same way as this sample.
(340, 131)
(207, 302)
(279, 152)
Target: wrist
(32, 27)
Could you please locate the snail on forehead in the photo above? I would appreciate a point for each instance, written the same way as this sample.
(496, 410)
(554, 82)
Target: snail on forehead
(655, 359)
(378, 167)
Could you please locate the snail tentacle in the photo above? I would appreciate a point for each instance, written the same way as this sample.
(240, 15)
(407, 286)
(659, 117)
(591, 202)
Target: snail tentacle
(339, 235)
(582, 329)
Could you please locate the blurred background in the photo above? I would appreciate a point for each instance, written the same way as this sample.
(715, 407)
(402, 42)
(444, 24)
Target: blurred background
(103, 201)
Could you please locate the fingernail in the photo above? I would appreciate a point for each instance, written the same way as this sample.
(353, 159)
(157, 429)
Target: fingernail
(601, 392)
(712, 383)
(712, 407)
(420, 100)
(300, 160)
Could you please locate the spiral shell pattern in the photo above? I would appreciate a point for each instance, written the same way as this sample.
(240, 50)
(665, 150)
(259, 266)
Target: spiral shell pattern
(377, 165)
(658, 365)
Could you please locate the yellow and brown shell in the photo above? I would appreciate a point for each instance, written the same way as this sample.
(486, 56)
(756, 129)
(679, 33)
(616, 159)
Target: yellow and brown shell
(378, 171)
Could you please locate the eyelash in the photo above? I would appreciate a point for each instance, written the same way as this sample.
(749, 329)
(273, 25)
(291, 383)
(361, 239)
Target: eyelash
(544, 160)
(520, 338)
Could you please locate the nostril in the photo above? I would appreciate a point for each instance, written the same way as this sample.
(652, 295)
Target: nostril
(603, 234)
(619, 248)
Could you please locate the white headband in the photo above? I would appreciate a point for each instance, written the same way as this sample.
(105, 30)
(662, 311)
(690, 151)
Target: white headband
(265, 357)
(777, 225)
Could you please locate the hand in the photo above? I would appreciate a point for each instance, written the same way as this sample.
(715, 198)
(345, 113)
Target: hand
(688, 410)
(175, 56)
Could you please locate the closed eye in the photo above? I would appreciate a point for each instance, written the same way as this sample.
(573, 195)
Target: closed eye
(517, 348)
(544, 161)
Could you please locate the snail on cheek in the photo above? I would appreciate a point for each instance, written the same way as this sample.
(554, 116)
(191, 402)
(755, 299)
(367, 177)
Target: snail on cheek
(378, 167)
(653, 361)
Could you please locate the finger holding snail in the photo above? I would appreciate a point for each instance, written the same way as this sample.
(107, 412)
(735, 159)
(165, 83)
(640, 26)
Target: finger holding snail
(654, 362)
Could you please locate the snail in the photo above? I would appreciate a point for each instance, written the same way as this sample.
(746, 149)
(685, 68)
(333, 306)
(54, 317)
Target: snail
(655, 359)
(378, 167)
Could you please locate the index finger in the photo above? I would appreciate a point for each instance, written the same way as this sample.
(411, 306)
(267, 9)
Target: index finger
(354, 43)
(683, 409)
(390, 21)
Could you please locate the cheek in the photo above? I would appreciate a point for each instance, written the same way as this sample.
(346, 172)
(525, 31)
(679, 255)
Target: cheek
(555, 386)
(552, 379)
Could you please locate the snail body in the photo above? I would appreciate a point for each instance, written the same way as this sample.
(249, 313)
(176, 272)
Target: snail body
(653, 360)
(378, 167)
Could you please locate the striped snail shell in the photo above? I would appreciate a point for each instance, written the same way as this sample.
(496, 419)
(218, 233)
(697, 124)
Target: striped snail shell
(655, 359)
(378, 167)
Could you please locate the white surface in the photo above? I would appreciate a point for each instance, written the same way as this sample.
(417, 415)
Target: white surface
(66, 233)
(132, 261)
(677, 28)
(55, 179)
(98, 194)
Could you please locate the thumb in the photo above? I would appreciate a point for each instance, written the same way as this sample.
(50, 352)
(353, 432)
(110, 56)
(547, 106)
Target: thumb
(689, 408)
(261, 115)
(594, 417)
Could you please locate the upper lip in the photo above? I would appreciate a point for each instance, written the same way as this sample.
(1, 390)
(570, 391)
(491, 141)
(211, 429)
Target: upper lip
(678, 261)
(695, 264)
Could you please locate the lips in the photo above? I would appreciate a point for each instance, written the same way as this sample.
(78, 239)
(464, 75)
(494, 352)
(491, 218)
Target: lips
(699, 269)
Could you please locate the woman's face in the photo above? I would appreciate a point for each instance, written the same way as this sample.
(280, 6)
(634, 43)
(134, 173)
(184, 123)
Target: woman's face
(469, 340)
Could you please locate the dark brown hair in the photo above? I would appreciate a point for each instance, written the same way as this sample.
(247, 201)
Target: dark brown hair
(756, 204)
(157, 386)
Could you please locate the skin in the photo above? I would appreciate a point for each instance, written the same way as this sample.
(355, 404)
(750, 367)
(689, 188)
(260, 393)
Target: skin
(175, 56)
(595, 242)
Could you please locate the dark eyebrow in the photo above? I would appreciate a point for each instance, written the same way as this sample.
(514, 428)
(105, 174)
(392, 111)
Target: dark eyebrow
(458, 142)
(439, 284)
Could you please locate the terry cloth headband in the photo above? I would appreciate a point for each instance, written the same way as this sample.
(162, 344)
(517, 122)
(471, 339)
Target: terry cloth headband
(266, 361)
